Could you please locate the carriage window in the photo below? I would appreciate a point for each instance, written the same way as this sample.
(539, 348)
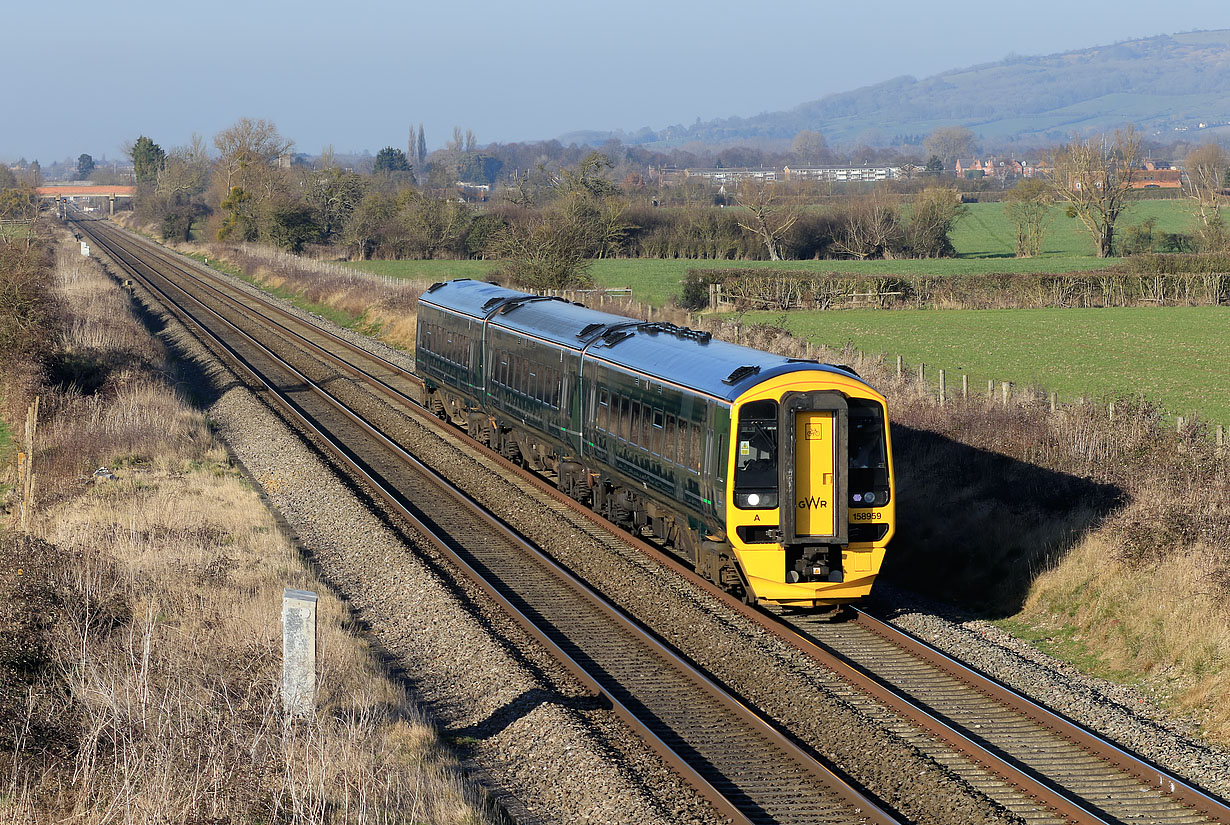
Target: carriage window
(659, 422)
(694, 448)
(669, 448)
(636, 437)
(625, 417)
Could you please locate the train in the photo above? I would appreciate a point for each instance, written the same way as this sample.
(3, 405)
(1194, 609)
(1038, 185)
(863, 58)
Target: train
(771, 476)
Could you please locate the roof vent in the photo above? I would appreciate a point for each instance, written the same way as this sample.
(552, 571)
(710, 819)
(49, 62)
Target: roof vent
(740, 373)
(590, 329)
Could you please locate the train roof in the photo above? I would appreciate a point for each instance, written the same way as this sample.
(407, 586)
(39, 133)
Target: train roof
(681, 356)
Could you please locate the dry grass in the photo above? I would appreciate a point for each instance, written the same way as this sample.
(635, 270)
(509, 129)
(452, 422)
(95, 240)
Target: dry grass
(141, 664)
(1116, 532)
(1112, 536)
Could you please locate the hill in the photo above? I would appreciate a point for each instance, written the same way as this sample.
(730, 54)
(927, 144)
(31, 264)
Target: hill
(1167, 85)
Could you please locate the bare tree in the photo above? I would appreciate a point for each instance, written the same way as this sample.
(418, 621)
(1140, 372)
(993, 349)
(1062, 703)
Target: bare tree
(250, 151)
(185, 170)
(1094, 178)
(1204, 179)
(949, 143)
(769, 214)
(1029, 207)
(871, 228)
(809, 147)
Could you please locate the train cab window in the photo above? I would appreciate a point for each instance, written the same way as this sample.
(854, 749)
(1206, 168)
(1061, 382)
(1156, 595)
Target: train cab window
(868, 479)
(756, 456)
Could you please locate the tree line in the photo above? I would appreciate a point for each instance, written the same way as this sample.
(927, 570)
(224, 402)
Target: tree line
(548, 220)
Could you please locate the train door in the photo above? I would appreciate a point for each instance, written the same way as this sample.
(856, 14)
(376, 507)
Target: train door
(814, 457)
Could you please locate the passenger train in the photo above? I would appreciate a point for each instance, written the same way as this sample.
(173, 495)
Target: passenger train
(772, 476)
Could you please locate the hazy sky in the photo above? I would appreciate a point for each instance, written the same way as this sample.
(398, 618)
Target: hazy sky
(90, 76)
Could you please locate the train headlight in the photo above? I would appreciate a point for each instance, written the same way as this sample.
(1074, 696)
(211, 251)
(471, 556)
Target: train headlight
(756, 501)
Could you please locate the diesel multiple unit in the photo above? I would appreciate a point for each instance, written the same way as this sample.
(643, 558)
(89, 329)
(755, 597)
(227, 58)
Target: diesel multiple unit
(771, 475)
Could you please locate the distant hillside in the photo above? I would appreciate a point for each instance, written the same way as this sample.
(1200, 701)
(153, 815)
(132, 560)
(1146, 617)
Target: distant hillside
(1165, 85)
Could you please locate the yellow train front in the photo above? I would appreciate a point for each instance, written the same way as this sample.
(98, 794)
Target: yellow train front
(771, 475)
(809, 509)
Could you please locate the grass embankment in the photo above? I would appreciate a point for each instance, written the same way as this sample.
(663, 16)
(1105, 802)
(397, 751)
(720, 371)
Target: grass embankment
(140, 663)
(1107, 540)
(1175, 356)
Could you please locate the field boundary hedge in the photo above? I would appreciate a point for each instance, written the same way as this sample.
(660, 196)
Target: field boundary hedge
(1146, 280)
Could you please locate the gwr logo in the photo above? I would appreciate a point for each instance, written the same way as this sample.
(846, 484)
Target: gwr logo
(814, 432)
(813, 503)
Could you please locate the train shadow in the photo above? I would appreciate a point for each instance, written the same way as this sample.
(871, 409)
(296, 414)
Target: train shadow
(975, 527)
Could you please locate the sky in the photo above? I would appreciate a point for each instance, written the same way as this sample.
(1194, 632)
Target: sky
(90, 77)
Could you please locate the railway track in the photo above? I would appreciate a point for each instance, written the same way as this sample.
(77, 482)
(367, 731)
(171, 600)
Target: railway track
(749, 769)
(1035, 763)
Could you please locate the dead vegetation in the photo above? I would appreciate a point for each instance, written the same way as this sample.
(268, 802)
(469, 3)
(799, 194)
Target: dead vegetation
(1107, 538)
(140, 664)
(1111, 534)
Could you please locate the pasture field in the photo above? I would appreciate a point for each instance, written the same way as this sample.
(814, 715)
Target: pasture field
(1178, 357)
(986, 232)
(983, 240)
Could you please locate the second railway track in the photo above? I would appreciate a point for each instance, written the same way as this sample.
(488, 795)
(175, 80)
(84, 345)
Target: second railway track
(1064, 780)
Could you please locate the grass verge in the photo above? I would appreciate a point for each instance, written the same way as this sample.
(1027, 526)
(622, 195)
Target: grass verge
(141, 659)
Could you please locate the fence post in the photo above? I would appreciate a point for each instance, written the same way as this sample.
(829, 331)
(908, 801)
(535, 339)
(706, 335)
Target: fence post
(922, 372)
(1052, 401)
(1006, 387)
(991, 389)
(27, 478)
(1179, 422)
(1110, 411)
(942, 388)
(298, 653)
(898, 366)
(964, 387)
(1221, 436)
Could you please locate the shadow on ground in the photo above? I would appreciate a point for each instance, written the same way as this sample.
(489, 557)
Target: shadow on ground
(975, 528)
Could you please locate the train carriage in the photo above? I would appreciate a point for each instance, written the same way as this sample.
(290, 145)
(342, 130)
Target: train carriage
(773, 476)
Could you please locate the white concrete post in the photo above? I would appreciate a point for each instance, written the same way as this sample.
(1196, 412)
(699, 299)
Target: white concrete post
(298, 652)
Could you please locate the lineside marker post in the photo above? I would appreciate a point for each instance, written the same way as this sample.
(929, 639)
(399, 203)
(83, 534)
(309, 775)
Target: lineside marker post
(1007, 388)
(1052, 401)
(298, 653)
(943, 388)
(964, 387)
(898, 366)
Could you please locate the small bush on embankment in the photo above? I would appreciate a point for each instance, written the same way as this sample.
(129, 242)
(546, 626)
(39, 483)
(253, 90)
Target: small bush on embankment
(1112, 534)
(140, 659)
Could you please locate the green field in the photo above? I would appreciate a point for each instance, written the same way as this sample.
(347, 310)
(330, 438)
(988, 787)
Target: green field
(985, 232)
(1176, 356)
(983, 240)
